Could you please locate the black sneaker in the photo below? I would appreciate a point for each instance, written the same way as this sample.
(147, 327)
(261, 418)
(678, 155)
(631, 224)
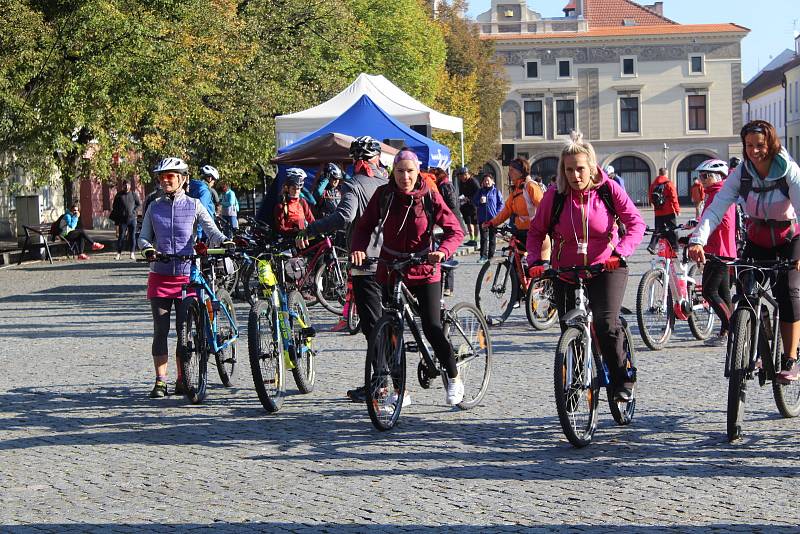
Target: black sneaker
(159, 390)
(179, 389)
(358, 394)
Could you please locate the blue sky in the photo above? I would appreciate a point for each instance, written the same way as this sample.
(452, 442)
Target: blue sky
(772, 23)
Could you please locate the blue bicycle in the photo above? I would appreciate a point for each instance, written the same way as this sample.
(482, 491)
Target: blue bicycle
(279, 333)
(209, 326)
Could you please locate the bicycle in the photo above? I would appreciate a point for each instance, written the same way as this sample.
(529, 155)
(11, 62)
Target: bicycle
(205, 330)
(504, 281)
(579, 370)
(671, 290)
(279, 334)
(754, 345)
(385, 368)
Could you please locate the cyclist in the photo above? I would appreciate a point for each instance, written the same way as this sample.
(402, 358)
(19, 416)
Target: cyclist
(368, 175)
(585, 233)
(293, 214)
(399, 211)
(521, 203)
(769, 182)
(722, 242)
(327, 192)
(168, 227)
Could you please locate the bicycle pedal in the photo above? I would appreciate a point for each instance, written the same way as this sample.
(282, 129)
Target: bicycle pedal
(411, 346)
(308, 331)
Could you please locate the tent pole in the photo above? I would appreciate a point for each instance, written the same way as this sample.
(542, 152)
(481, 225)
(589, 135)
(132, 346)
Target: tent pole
(462, 148)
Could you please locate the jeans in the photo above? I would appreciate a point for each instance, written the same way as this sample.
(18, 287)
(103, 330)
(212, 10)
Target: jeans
(127, 230)
(232, 220)
(488, 241)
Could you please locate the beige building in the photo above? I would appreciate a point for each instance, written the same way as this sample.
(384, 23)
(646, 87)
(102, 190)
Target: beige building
(647, 91)
(791, 83)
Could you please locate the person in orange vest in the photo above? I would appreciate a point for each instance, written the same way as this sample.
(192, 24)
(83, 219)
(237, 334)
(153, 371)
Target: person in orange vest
(698, 195)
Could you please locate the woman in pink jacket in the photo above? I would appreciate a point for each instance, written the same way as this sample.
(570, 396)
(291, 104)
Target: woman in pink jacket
(406, 230)
(721, 242)
(585, 233)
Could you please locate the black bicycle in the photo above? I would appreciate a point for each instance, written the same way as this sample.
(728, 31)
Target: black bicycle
(579, 370)
(754, 344)
(385, 370)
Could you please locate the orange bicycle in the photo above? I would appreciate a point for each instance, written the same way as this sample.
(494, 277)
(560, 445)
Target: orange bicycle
(503, 282)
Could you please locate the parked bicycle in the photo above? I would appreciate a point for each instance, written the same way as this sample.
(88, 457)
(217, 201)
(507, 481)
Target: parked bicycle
(503, 282)
(385, 369)
(279, 334)
(671, 290)
(209, 327)
(579, 370)
(754, 345)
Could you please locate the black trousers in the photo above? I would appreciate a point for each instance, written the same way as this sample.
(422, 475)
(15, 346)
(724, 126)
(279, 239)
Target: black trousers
(787, 284)
(128, 228)
(717, 291)
(605, 292)
(161, 308)
(79, 237)
(488, 241)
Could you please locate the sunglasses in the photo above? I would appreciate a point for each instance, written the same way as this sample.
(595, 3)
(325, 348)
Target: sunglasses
(704, 175)
(756, 128)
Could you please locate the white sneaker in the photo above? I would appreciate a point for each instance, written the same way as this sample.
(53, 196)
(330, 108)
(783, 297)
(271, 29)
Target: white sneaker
(117, 256)
(455, 391)
(133, 256)
(392, 399)
(717, 341)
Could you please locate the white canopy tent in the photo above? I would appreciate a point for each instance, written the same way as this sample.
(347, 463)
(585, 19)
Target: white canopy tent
(389, 97)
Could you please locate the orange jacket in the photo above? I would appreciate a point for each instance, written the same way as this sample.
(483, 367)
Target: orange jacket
(671, 205)
(517, 205)
(430, 179)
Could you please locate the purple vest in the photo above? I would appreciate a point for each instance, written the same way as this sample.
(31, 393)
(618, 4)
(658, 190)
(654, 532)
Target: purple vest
(174, 230)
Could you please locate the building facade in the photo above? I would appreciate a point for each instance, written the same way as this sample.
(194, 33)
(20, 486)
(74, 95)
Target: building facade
(791, 82)
(646, 91)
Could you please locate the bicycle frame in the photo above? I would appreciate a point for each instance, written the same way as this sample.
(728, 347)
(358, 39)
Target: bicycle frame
(678, 281)
(324, 246)
(211, 305)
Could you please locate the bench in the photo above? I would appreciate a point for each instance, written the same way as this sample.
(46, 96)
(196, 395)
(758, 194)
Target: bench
(42, 230)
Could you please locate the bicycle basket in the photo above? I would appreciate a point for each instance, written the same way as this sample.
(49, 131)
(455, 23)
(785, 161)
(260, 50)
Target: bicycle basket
(294, 268)
(266, 276)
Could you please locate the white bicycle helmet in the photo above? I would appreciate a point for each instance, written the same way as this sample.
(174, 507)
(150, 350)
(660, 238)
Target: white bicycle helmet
(171, 164)
(364, 148)
(609, 170)
(295, 176)
(208, 170)
(714, 165)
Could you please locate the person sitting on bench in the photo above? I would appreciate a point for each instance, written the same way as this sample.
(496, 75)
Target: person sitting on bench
(69, 229)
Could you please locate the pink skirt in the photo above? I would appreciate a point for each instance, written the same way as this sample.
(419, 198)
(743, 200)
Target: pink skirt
(167, 286)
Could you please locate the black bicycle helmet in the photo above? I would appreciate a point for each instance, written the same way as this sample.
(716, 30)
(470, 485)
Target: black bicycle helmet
(332, 171)
(734, 162)
(364, 148)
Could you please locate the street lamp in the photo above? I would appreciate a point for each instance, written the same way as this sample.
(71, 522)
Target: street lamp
(666, 148)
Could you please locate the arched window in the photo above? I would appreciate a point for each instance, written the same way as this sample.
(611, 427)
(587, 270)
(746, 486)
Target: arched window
(512, 120)
(545, 167)
(686, 174)
(636, 174)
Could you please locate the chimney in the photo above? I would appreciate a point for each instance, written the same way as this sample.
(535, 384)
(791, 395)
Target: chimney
(579, 8)
(797, 45)
(657, 8)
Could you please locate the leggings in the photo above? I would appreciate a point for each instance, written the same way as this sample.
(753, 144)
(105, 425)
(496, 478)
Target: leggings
(717, 291)
(161, 308)
(605, 292)
(787, 285)
(430, 309)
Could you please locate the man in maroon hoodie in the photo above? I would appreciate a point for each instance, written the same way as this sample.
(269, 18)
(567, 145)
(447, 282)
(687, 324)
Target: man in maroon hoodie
(664, 199)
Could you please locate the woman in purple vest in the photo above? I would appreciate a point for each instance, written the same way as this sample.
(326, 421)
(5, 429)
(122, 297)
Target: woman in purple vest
(170, 227)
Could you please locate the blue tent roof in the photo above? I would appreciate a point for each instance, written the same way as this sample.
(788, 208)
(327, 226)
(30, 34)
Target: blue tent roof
(366, 118)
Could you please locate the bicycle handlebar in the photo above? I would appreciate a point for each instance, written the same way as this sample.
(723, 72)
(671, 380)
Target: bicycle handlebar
(393, 265)
(775, 265)
(594, 269)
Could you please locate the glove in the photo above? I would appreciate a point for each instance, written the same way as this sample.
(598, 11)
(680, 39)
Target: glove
(229, 246)
(201, 248)
(150, 254)
(614, 262)
(536, 271)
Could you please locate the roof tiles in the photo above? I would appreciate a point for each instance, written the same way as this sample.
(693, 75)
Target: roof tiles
(611, 13)
(622, 31)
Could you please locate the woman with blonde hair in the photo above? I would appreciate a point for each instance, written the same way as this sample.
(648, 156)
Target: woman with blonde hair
(581, 215)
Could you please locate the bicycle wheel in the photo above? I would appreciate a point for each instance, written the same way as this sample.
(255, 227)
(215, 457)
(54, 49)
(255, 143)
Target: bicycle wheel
(330, 285)
(248, 283)
(623, 411)
(353, 321)
(539, 306)
(226, 358)
(741, 331)
(303, 353)
(193, 352)
(655, 324)
(701, 320)
(266, 355)
(468, 334)
(385, 373)
(576, 388)
(787, 396)
(496, 291)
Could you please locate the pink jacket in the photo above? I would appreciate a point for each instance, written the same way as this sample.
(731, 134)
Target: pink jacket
(603, 238)
(405, 229)
(722, 240)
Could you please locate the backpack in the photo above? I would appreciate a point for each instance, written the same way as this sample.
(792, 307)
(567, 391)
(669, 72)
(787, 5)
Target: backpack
(528, 200)
(55, 228)
(746, 185)
(604, 191)
(658, 198)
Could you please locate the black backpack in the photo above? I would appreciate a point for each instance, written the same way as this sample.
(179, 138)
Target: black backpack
(658, 198)
(604, 191)
(55, 228)
(746, 185)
